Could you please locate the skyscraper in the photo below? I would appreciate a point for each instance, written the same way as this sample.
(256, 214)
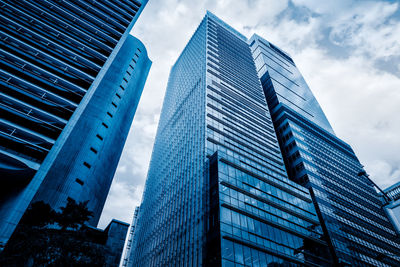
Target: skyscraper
(71, 78)
(393, 204)
(348, 205)
(128, 257)
(217, 191)
(116, 234)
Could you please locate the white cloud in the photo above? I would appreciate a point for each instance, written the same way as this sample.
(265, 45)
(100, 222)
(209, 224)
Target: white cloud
(290, 35)
(366, 26)
(362, 104)
(360, 100)
(244, 14)
(383, 169)
(369, 30)
(120, 203)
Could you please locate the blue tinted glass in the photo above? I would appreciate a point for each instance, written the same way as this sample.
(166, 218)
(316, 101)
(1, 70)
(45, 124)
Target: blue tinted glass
(227, 249)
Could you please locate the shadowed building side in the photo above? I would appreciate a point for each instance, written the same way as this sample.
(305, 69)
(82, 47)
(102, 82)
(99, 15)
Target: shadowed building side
(61, 65)
(85, 165)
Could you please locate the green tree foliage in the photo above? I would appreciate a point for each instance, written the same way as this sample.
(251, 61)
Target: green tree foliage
(45, 237)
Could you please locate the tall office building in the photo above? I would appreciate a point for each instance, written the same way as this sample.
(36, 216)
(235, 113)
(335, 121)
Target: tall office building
(128, 256)
(217, 192)
(348, 205)
(393, 191)
(393, 204)
(71, 77)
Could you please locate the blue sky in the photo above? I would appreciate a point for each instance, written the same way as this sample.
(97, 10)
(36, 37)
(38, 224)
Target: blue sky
(347, 51)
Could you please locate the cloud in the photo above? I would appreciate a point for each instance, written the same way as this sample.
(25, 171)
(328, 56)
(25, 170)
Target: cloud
(348, 52)
(362, 104)
(383, 169)
(366, 28)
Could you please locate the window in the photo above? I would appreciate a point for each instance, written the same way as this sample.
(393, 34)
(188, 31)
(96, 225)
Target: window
(226, 215)
(87, 165)
(93, 150)
(281, 53)
(238, 253)
(227, 249)
(79, 181)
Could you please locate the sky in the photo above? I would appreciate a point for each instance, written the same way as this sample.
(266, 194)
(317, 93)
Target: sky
(347, 51)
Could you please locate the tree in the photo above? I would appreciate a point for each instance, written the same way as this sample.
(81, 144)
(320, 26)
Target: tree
(39, 214)
(38, 241)
(74, 215)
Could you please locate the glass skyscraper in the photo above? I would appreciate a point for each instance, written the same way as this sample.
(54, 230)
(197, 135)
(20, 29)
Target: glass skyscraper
(128, 256)
(350, 209)
(393, 204)
(217, 191)
(71, 77)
